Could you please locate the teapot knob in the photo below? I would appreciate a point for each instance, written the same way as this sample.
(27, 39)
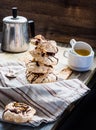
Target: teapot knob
(14, 12)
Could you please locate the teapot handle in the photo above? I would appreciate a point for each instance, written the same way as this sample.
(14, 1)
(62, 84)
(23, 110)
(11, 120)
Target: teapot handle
(31, 28)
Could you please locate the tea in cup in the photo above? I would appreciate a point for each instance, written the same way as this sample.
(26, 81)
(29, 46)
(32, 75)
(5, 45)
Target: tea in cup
(80, 47)
(80, 56)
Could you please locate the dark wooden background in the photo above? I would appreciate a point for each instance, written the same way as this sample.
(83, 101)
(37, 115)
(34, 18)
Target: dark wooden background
(60, 20)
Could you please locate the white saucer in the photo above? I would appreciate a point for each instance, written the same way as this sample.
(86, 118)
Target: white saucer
(80, 69)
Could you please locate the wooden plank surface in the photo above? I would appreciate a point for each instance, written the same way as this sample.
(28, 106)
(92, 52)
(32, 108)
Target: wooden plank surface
(83, 76)
(60, 20)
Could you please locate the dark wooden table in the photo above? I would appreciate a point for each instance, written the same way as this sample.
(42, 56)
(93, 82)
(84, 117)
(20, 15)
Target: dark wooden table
(86, 77)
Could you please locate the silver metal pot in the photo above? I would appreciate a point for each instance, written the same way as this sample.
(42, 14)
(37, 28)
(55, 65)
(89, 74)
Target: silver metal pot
(15, 33)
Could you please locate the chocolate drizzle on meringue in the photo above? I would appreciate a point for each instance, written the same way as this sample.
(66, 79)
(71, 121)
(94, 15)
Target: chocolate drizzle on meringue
(45, 60)
(18, 108)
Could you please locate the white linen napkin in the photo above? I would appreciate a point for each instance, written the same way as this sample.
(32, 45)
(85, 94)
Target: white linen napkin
(49, 99)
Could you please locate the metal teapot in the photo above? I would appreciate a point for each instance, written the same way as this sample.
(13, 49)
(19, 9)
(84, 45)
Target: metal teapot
(15, 33)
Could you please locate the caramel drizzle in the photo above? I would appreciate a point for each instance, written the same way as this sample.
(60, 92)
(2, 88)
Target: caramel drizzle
(19, 108)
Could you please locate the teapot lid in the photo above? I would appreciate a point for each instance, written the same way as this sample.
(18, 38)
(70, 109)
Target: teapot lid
(14, 18)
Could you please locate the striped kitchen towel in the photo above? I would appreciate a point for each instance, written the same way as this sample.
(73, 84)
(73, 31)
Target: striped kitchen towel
(49, 99)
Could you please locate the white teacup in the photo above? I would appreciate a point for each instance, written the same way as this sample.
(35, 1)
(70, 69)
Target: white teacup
(80, 48)
(78, 62)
